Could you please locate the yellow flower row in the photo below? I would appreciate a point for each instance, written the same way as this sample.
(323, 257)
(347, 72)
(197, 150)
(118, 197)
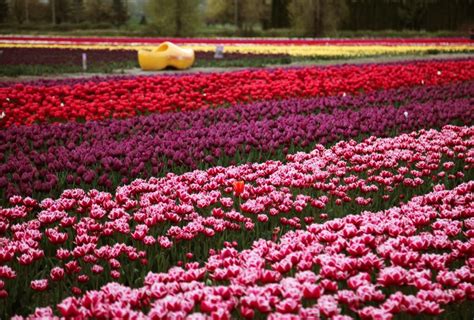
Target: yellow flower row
(338, 51)
(292, 50)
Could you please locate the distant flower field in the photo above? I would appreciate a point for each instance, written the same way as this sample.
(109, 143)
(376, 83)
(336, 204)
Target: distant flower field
(293, 47)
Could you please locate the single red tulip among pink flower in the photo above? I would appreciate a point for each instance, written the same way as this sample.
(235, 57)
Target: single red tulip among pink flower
(239, 187)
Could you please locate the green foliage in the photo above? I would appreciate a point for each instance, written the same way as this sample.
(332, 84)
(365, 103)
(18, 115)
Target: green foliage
(3, 10)
(174, 17)
(279, 15)
(62, 9)
(98, 11)
(252, 13)
(412, 13)
(316, 17)
(26, 11)
(77, 11)
(251, 17)
(432, 15)
(17, 11)
(245, 14)
(119, 9)
(219, 11)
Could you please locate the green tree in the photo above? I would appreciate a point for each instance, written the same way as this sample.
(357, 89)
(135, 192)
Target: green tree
(279, 14)
(26, 11)
(316, 17)
(98, 11)
(77, 11)
(60, 10)
(219, 11)
(413, 13)
(251, 13)
(17, 8)
(120, 14)
(3, 10)
(245, 14)
(174, 17)
(63, 11)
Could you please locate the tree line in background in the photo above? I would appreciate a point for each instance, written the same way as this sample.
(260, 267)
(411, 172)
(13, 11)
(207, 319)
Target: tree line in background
(64, 11)
(304, 17)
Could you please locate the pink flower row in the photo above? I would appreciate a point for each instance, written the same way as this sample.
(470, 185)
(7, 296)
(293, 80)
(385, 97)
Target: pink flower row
(357, 266)
(85, 235)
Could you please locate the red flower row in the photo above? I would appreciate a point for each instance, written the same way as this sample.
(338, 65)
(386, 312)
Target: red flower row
(22, 104)
(354, 266)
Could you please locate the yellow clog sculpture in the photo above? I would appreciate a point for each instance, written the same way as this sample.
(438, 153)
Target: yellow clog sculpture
(165, 55)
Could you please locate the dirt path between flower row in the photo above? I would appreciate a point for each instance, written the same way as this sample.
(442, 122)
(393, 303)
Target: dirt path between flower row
(139, 72)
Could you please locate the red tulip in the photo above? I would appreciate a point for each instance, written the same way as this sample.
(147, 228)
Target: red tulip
(239, 187)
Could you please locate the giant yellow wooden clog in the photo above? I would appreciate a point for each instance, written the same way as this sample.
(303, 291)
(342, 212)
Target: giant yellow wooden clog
(165, 55)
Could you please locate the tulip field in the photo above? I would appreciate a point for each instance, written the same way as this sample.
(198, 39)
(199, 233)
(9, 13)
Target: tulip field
(309, 192)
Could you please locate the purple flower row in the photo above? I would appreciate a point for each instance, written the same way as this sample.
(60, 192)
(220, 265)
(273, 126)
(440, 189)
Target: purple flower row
(95, 57)
(50, 158)
(55, 56)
